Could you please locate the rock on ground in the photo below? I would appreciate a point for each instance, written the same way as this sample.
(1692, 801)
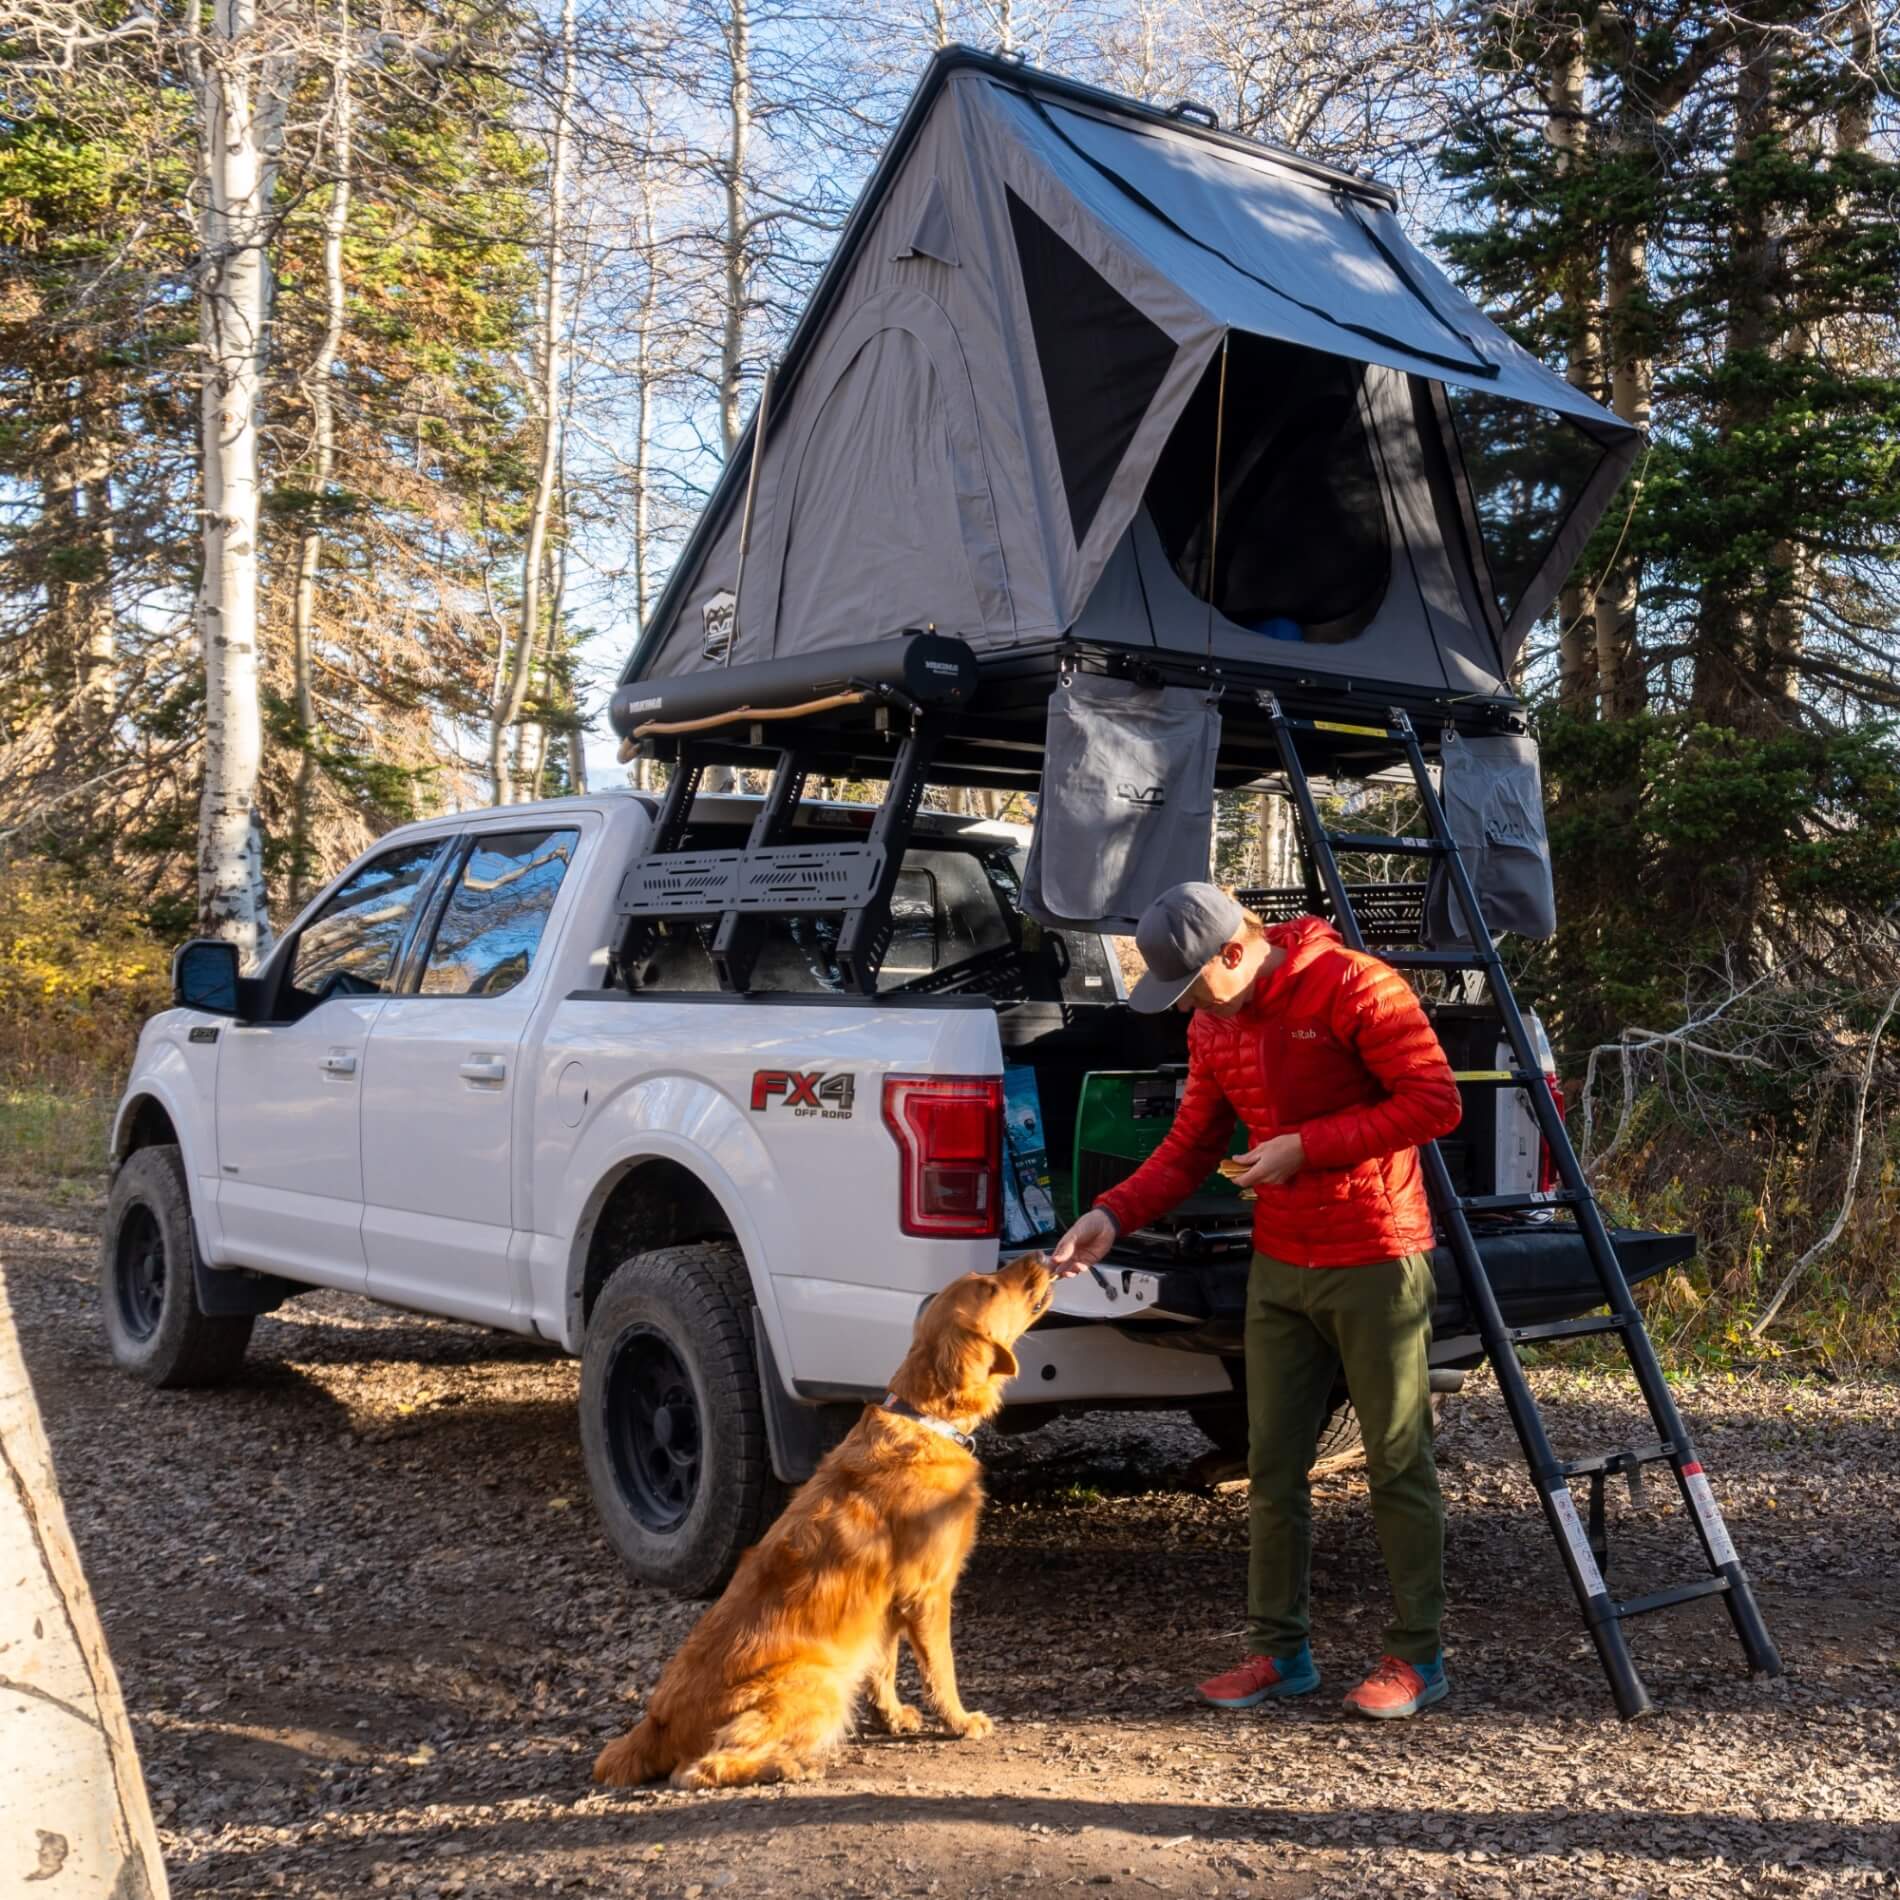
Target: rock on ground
(371, 1640)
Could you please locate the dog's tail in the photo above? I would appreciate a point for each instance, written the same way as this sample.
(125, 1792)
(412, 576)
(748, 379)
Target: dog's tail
(640, 1755)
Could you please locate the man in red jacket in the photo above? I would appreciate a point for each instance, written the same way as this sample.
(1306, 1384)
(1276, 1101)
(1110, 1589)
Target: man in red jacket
(1326, 1055)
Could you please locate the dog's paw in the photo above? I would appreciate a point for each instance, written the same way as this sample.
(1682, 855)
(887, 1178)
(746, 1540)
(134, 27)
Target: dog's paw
(903, 1720)
(975, 1726)
(692, 1774)
(614, 1765)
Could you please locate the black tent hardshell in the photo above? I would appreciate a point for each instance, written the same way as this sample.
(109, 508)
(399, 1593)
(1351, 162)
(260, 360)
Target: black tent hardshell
(1086, 376)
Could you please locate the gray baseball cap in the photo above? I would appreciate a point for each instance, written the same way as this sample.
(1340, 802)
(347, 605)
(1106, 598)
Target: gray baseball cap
(1178, 933)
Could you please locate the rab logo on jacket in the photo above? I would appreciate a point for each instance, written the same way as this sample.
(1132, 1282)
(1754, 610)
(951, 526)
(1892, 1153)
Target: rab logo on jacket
(1148, 797)
(828, 1096)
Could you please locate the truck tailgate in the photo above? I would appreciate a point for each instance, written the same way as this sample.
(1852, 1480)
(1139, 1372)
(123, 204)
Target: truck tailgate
(1538, 1272)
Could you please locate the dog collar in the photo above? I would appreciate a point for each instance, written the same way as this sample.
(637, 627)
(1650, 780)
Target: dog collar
(941, 1426)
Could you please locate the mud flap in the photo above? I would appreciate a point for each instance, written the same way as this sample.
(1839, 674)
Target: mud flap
(797, 1432)
(227, 1292)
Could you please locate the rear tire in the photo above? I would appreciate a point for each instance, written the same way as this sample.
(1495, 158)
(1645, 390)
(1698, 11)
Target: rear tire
(672, 1421)
(1340, 1445)
(148, 1295)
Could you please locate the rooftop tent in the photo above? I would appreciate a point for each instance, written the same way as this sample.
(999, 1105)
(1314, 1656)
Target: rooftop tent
(1081, 370)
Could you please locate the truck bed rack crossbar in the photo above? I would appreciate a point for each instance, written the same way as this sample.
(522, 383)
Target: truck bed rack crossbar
(738, 892)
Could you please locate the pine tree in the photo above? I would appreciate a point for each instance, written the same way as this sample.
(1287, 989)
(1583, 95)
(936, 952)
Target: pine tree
(1690, 207)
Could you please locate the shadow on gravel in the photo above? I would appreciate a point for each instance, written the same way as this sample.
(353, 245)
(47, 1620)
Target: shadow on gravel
(1660, 1836)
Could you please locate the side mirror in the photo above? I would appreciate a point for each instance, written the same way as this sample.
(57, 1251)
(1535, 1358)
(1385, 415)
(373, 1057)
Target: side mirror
(205, 976)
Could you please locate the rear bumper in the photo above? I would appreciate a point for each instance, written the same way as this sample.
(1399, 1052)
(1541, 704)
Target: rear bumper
(1538, 1273)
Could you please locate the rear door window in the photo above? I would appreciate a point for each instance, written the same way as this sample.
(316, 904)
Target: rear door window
(494, 920)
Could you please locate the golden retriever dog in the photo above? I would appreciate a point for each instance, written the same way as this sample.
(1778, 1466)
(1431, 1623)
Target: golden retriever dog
(868, 1550)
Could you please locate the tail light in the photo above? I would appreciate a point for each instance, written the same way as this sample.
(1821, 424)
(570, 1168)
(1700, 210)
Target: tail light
(1547, 1176)
(949, 1135)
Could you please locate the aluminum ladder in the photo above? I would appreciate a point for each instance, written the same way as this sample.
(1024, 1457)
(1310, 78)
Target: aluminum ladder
(1603, 1614)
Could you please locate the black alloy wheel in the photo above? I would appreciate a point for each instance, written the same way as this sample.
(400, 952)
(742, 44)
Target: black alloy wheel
(140, 1277)
(653, 1427)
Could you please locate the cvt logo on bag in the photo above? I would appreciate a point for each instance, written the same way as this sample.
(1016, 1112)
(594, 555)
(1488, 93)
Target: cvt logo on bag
(829, 1096)
(716, 615)
(1148, 797)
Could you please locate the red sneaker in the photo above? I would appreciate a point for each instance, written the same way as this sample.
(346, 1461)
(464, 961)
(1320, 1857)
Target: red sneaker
(1398, 1688)
(1260, 1677)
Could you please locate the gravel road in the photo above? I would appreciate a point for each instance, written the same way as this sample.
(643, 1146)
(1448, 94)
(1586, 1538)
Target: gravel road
(371, 1639)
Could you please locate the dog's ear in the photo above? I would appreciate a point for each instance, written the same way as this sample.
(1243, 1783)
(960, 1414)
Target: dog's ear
(1003, 1362)
(953, 1359)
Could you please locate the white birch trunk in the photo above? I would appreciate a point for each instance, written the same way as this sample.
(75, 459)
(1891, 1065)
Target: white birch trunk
(722, 778)
(336, 219)
(1621, 687)
(553, 369)
(237, 118)
(738, 237)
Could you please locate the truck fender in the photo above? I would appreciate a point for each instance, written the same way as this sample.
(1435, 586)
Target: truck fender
(722, 1150)
(165, 1080)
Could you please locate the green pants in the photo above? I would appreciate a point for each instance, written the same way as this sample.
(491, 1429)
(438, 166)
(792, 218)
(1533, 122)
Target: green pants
(1305, 1325)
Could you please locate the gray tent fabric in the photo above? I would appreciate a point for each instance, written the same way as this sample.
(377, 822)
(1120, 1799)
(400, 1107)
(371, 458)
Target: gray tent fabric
(1127, 803)
(987, 419)
(1493, 797)
(935, 236)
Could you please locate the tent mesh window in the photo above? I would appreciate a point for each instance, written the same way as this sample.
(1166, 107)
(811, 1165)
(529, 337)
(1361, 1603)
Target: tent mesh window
(1526, 468)
(1102, 361)
(1301, 547)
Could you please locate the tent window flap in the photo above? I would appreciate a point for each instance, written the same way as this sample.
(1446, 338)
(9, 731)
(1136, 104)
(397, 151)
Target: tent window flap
(1102, 361)
(1527, 469)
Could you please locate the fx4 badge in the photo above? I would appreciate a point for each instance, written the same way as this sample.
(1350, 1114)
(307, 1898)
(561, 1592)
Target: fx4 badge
(1149, 797)
(827, 1096)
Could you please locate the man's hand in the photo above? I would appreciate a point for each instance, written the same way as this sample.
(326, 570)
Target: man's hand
(1084, 1244)
(1273, 1163)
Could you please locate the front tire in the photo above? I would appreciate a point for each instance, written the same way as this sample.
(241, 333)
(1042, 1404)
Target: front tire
(148, 1296)
(672, 1421)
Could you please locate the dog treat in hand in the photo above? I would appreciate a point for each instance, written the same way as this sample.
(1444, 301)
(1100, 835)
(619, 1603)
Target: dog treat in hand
(1232, 1168)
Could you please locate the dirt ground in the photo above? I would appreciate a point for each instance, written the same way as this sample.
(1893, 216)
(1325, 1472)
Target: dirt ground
(371, 1640)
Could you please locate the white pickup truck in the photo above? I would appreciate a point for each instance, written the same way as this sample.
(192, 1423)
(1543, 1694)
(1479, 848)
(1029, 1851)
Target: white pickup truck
(440, 1092)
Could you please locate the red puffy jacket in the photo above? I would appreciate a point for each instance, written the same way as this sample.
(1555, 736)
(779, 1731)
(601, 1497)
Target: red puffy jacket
(1331, 1045)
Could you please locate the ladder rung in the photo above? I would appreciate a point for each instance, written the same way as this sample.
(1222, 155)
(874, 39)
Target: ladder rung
(1568, 1328)
(1436, 959)
(1376, 841)
(1626, 1459)
(1668, 1599)
(1337, 725)
(1516, 1203)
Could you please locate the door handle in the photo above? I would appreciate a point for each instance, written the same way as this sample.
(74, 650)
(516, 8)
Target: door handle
(340, 1062)
(485, 1069)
